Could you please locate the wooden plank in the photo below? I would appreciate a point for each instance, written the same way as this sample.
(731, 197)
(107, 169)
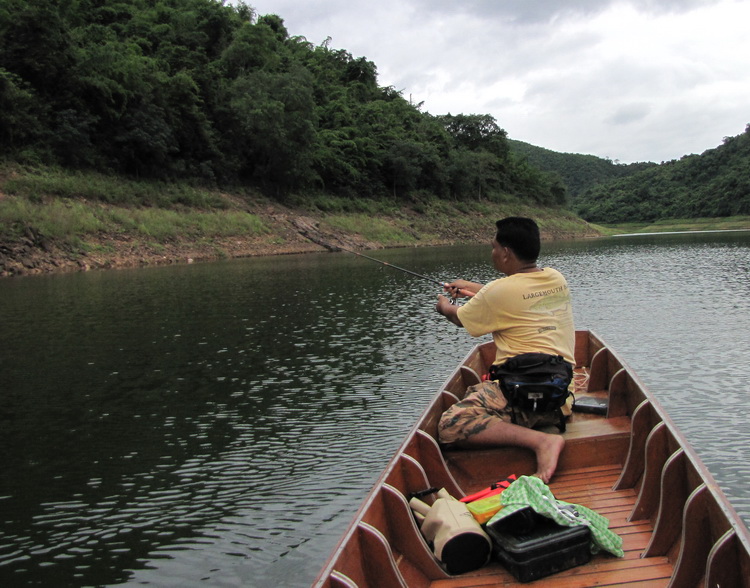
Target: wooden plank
(475, 469)
(674, 494)
(618, 394)
(722, 562)
(597, 481)
(656, 457)
(379, 564)
(583, 473)
(611, 505)
(635, 542)
(595, 498)
(597, 478)
(339, 580)
(605, 449)
(599, 375)
(408, 476)
(431, 418)
(621, 576)
(596, 427)
(406, 538)
(470, 376)
(426, 451)
(599, 572)
(602, 488)
(581, 352)
(621, 520)
(631, 529)
(641, 425)
(696, 543)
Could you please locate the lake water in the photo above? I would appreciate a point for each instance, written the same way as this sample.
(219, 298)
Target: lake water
(218, 424)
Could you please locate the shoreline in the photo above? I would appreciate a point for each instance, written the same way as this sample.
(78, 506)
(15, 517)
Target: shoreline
(288, 231)
(291, 231)
(57, 221)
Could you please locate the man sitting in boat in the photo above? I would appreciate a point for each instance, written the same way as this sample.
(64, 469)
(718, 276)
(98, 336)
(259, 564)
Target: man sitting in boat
(528, 311)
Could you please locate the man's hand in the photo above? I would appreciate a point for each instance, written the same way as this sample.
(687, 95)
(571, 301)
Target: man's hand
(448, 310)
(462, 288)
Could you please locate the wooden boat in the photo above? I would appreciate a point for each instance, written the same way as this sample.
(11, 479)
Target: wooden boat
(632, 466)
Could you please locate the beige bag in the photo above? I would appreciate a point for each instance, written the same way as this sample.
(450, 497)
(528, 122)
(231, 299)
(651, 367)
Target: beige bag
(455, 536)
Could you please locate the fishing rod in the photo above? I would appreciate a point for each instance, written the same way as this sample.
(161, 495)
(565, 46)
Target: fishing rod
(461, 291)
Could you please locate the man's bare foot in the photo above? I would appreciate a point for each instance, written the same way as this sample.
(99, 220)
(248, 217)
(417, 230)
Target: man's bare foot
(547, 455)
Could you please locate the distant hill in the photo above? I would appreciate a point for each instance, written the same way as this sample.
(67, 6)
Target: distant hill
(715, 183)
(578, 172)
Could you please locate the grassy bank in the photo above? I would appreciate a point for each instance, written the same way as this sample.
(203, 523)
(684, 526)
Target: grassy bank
(57, 220)
(731, 223)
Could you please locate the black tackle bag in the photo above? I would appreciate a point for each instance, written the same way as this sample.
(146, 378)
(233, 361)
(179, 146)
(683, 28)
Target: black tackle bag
(535, 382)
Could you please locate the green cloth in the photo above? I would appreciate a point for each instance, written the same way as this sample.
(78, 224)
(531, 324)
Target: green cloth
(531, 491)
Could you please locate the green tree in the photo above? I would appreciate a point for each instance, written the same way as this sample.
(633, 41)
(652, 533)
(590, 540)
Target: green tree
(268, 127)
(477, 131)
(20, 124)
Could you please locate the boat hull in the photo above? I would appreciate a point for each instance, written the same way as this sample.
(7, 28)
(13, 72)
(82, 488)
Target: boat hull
(631, 465)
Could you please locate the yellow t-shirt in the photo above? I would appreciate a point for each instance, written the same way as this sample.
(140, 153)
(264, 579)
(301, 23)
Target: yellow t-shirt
(526, 313)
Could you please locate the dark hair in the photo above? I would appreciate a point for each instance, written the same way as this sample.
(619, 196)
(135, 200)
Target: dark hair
(521, 235)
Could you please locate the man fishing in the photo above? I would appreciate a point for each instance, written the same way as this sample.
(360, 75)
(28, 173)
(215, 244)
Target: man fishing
(527, 311)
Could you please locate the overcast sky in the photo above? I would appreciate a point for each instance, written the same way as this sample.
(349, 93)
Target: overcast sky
(632, 80)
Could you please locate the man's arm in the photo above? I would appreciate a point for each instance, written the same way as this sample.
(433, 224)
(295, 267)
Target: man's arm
(448, 310)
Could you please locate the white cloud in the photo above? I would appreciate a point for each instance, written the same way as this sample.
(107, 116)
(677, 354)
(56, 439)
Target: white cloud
(632, 80)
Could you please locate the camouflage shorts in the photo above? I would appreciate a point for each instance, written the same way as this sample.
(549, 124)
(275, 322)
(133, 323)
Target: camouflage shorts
(483, 405)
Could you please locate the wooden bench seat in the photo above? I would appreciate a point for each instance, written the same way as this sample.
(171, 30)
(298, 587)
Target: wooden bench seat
(588, 442)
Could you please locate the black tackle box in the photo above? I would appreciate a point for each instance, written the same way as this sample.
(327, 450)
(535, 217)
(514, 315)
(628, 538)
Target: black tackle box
(533, 551)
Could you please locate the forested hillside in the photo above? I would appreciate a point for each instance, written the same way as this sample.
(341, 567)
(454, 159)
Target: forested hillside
(175, 89)
(577, 171)
(713, 184)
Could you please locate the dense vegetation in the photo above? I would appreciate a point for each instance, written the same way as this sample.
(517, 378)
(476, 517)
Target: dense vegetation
(170, 89)
(578, 172)
(713, 184)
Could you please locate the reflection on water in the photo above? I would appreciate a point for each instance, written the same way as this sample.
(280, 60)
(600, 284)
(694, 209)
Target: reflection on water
(218, 424)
